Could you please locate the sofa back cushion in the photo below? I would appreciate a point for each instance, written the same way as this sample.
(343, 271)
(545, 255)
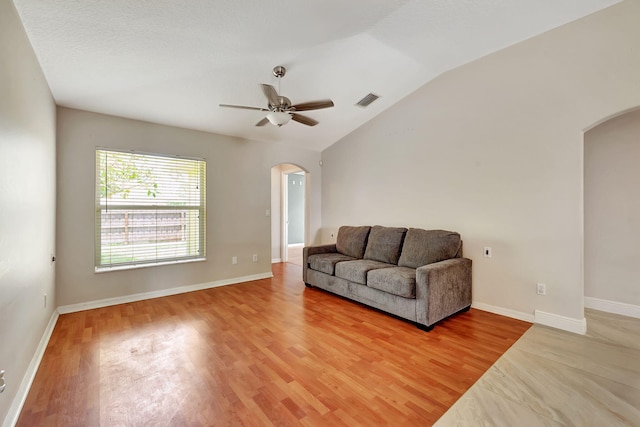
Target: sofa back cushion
(422, 247)
(385, 244)
(352, 241)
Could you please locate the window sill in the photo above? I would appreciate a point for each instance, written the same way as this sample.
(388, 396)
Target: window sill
(155, 264)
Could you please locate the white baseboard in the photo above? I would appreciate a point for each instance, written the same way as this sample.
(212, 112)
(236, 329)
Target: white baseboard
(157, 294)
(612, 307)
(577, 326)
(503, 311)
(276, 260)
(23, 391)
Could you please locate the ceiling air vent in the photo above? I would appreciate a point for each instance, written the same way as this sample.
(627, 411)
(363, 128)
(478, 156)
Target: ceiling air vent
(364, 102)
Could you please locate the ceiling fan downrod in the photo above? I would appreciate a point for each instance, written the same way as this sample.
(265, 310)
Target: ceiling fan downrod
(279, 71)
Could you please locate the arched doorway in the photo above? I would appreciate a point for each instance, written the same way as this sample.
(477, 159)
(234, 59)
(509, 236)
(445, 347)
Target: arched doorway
(611, 208)
(289, 212)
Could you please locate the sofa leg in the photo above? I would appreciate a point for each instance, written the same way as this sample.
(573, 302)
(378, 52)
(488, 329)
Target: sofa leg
(425, 327)
(465, 309)
(308, 285)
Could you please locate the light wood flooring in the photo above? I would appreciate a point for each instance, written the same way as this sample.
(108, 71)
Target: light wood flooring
(294, 254)
(262, 353)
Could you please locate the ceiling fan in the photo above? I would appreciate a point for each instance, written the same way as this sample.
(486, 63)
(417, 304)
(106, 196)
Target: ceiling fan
(279, 108)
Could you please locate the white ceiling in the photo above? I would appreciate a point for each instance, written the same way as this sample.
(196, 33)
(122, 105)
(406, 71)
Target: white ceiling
(172, 62)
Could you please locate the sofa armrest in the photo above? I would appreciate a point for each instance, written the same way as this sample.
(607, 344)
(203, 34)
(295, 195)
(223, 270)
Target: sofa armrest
(314, 250)
(442, 289)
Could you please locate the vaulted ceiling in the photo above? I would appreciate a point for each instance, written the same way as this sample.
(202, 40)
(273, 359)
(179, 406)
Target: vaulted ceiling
(172, 62)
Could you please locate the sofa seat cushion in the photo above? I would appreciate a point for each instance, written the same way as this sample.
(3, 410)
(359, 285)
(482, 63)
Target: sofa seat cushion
(422, 247)
(385, 244)
(400, 281)
(356, 271)
(352, 241)
(326, 263)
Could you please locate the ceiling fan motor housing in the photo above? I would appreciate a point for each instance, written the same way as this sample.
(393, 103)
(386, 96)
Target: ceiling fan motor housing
(284, 104)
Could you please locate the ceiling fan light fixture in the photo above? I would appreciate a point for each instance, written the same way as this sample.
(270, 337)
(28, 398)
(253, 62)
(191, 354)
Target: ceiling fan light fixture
(278, 118)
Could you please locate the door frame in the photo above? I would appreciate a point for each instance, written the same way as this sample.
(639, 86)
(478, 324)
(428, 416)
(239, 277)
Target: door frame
(284, 170)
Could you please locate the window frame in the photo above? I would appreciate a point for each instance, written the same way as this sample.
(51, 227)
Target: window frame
(99, 207)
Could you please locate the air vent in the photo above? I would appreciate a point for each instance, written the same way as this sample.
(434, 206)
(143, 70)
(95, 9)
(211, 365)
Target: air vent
(364, 102)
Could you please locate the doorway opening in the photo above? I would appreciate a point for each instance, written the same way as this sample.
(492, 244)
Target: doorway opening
(610, 206)
(289, 207)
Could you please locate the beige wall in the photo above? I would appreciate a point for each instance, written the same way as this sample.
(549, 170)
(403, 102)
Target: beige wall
(27, 203)
(494, 150)
(612, 210)
(238, 195)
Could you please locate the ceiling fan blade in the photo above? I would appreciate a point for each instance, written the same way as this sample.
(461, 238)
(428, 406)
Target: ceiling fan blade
(271, 94)
(303, 119)
(313, 105)
(244, 107)
(262, 122)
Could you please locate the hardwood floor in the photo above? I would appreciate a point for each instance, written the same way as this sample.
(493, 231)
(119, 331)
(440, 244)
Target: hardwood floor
(268, 352)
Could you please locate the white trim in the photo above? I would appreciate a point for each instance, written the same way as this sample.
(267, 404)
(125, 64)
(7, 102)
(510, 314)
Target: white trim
(577, 326)
(284, 216)
(276, 260)
(150, 153)
(23, 391)
(119, 267)
(614, 307)
(503, 311)
(157, 294)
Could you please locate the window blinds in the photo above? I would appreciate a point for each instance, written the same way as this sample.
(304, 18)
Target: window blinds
(150, 209)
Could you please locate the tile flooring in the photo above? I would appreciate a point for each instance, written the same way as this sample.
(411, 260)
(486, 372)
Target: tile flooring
(294, 254)
(555, 378)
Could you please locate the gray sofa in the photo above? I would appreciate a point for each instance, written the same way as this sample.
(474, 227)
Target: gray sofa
(415, 274)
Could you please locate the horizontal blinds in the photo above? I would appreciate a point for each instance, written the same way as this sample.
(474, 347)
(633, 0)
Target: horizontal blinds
(149, 208)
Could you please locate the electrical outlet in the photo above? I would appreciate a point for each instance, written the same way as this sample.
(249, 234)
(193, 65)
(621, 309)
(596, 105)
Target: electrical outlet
(487, 252)
(234, 260)
(255, 257)
(541, 289)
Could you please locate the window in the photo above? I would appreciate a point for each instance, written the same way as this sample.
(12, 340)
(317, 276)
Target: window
(150, 209)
